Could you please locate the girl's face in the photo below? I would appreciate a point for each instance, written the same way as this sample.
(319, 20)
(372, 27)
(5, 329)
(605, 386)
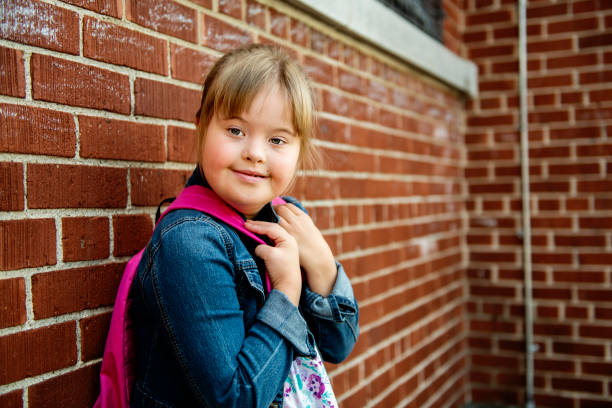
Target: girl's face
(252, 158)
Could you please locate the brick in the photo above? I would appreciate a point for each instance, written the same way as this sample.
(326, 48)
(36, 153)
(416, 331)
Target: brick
(13, 399)
(318, 42)
(491, 188)
(584, 168)
(85, 239)
(574, 61)
(595, 186)
(573, 25)
(595, 77)
(604, 313)
(547, 152)
(604, 150)
(182, 144)
(598, 40)
(489, 17)
(579, 385)
(550, 81)
(549, 205)
(548, 258)
(576, 312)
(114, 139)
(111, 8)
(75, 186)
(497, 291)
(204, 3)
(579, 277)
(595, 222)
(93, 335)
(549, 46)
(164, 16)
(546, 99)
(603, 204)
(25, 129)
(27, 243)
(12, 302)
(78, 388)
(318, 70)
(12, 74)
(547, 11)
(72, 290)
(279, 24)
(595, 295)
(110, 43)
(299, 33)
(575, 133)
(132, 232)
(557, 365)
(595, 331)
(475, 36)
(11, 186)
(580, 240)
(499, 85)
(540, 329)
(551, 222)
(33, 352)
(150, 96)
(150, 186)
(602, 95)
(71, 83)
(189, 64)
(576, 204)
(556, 401)
(496, 256)
(494, 120)
(231, 8)
(256, 14)
(40, 24)
(596, 368)
(590, 5)
(222, 36)
(550, 186)
(571, 97)
(491, 51)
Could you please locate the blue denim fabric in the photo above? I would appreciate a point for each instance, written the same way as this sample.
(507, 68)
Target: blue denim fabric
(207, 334)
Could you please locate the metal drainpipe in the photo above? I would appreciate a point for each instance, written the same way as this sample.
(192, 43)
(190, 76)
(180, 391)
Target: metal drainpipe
(530, 348)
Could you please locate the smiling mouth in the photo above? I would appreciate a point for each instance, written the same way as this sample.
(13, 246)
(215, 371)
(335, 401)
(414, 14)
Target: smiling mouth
(250, 176)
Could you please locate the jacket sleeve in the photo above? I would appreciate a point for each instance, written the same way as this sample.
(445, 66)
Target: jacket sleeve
(333, 320)
(191, 286)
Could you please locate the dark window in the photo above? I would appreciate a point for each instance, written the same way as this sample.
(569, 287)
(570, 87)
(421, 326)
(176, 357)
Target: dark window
(425, 14)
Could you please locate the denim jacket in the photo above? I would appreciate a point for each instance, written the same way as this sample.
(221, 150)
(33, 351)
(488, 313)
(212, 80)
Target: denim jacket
(208, 335)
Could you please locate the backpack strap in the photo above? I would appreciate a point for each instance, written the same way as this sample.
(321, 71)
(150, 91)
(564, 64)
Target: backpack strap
(207, 201)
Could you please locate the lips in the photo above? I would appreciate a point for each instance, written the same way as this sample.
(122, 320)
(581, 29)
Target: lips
(250, 175)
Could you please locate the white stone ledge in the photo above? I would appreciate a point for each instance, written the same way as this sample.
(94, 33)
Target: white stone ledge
(373, 22)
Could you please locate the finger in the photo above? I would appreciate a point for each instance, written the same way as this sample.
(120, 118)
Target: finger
(294, 209)
(272, 230)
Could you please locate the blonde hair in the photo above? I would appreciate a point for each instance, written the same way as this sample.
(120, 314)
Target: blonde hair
(238, 76)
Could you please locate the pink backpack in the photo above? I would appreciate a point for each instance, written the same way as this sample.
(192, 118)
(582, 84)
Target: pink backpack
(117, 372)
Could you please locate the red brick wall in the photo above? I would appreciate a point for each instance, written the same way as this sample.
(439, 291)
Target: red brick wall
(570, 114)
(97, 101)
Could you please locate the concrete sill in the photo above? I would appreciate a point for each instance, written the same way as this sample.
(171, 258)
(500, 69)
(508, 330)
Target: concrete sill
(375, 23)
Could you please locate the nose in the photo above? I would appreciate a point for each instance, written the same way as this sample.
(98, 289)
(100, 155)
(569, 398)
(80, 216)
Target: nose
(254, 150)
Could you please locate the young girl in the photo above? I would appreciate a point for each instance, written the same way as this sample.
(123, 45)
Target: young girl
(207, 332)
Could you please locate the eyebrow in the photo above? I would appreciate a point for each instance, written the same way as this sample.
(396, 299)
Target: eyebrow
(278, 129)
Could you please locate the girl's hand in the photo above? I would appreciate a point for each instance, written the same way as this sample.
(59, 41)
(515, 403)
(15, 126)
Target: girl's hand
(282, 260)
(316, 257)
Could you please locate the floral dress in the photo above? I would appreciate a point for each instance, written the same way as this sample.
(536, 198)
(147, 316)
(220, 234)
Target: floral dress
(307, 385)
